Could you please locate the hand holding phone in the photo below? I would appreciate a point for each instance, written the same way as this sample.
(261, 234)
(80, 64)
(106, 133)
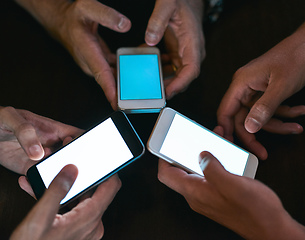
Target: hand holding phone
(140, 82)
(179, 140)
(44, 222)
(227, 198)
(98, 154)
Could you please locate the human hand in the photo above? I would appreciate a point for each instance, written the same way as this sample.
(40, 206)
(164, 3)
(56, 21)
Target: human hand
(82, 222)
(26, 137)
(75, 25)
(180, 22)
(261, 86)
(241, 204)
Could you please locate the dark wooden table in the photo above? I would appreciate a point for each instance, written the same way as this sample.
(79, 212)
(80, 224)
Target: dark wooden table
(37, 74)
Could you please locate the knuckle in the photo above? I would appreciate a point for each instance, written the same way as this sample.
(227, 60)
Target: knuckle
(196, 71)
(262, 109)
(99, 75)
(108, 11)
(118, 184)
(244, 71)
(31, 229)
(7, 110)
(114, 183)
(160, 177)
(155, 26)
(100, 231)
(156, 23)
(24, 128)
(80, 6)
(203, 54)
(238, 73)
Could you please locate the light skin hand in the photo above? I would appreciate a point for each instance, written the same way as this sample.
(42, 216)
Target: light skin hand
(82, 222)
(244, 205)
(26, 137)
(180, 22)
(261, 86)
(75, 25)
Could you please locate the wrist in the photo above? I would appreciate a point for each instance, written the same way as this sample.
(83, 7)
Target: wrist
(197, 7)
(282, 228)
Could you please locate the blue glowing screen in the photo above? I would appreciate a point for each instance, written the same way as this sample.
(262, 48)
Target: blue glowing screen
(140, 77)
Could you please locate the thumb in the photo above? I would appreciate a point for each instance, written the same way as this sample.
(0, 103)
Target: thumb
(263, 110)
(48, 205)
(29, 141)
(41, 217)
(24, 132)
(213, 171)
(61, 184)
(158, 22)
(106, 16)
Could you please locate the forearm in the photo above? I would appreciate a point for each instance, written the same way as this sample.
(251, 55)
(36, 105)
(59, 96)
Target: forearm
(280, 227)
(287, 229)
(295, 231)
(47, 12)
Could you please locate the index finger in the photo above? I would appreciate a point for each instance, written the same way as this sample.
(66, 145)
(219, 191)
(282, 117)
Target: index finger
(187, 72)
(57, 190)
(158, 21)
(45, 125)
(106, 192)
(23, 130)
(228, 108)
(176, 178)
(186, 75)
(95, 59)
(44, 212)
(104, 15)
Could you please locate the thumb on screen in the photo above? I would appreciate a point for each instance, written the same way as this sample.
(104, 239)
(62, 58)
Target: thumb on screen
(47, 207)
(213, 171)
(40, 219)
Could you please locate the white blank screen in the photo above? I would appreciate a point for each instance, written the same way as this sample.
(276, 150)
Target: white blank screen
(95, 154)
(186, 140)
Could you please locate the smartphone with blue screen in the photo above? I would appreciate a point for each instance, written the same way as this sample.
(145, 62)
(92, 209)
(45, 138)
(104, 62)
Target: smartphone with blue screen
(139, 80)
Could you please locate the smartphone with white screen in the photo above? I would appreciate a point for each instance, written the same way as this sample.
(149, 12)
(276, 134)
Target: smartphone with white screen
(139, 80)
(98, 153)
(179, 140)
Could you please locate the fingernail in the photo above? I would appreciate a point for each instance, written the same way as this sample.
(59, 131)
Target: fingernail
(252, 125)
(151, 38)
(35, 151)
(122, 24)
(203, 162)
